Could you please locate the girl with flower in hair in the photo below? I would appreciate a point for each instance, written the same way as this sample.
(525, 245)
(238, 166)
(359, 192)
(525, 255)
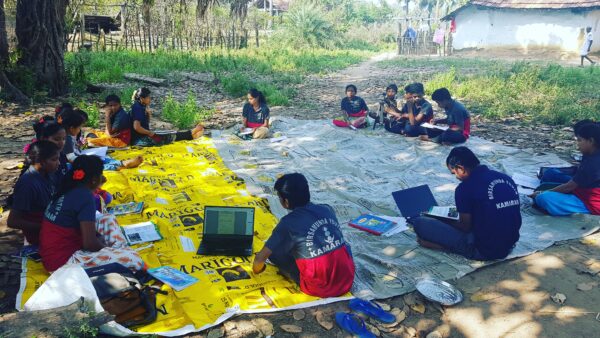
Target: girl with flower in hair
(71, 233)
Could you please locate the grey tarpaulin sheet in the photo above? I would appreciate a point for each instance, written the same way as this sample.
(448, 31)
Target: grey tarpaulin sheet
(356, 171)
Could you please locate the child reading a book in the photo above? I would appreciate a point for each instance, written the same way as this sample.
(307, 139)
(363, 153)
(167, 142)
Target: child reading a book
(581, 194)
(457, 119)
(307, 245)
(256, 114)
(73, 122)
(354, 110)
(70, 232)
(489, 215)
(33, 190)
(140, 118)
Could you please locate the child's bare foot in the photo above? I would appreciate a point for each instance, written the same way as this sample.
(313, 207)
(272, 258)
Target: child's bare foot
(133, 162)
(424, 138)
(197, 131)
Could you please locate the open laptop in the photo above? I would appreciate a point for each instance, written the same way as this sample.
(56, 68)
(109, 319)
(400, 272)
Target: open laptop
(412, 202)
(419, 201)
(228, 231)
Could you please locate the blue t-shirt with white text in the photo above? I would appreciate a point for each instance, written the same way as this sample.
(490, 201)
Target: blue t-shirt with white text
(492, 200)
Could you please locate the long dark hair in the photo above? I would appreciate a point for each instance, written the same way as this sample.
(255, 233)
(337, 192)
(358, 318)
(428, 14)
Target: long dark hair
(47, 129)
(257, 94)
(139, 93)
(72, 119)
(85, 168)
(39, 151)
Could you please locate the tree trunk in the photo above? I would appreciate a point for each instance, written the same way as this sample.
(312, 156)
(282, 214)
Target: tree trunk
(3, 36)
(41, 34)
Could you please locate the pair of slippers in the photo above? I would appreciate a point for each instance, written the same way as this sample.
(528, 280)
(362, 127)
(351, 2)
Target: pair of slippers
(355, 325)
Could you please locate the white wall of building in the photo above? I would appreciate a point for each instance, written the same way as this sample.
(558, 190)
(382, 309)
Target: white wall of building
(488, 28)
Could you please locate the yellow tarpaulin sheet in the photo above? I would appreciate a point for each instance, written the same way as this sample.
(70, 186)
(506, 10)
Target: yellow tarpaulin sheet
(175, 182)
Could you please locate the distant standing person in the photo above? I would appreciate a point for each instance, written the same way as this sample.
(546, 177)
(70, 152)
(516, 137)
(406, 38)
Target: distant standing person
(256, 114)
(587, 46)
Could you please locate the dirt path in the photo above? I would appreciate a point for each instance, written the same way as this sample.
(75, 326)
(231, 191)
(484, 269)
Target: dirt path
(509, 299)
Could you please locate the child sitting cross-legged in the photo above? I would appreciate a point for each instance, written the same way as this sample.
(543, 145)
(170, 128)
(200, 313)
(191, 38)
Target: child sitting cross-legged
(307, 245)
(70, 232)
(354, 110)
(488, 208)
(457, 119)
(581, 194)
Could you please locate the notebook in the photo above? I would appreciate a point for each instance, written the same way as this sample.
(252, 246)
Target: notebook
(228, 231)
(373, 224)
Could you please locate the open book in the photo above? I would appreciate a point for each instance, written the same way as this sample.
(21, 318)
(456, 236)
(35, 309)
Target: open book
(433, 126)
(444, 213)
(141, 233)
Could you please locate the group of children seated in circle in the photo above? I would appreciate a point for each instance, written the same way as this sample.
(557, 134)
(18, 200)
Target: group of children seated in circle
(409, 118)
(59, 204)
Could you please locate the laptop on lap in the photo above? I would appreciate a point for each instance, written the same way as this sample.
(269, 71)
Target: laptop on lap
(228, 231)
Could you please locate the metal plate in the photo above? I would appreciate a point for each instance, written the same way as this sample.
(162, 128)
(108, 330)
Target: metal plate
(439, 291)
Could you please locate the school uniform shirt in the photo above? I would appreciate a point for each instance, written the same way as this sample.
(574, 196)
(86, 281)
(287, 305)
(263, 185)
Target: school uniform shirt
(588, 182)
(458, 116)
(354, 106)
(61, 172)
(138, 113)
(121, 121)
(587, 43)
(61, 236)
(312, 235)
(422, 107)
(254, 118)
(71, 148)
(31, 196)
(492, 200)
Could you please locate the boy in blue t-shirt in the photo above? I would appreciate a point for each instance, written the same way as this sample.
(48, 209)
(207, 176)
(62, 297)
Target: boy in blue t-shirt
(415, 112)
(307, 245)
(488, 205)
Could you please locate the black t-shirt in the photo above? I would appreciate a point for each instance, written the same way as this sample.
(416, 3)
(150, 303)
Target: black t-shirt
(256, 116)
(492, 200)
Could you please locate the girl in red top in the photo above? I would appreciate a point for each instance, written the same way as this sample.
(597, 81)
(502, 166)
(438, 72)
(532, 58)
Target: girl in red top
(70, 231)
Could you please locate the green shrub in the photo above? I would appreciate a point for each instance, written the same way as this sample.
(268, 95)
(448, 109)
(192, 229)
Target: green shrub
(93, 113)
(184, 115)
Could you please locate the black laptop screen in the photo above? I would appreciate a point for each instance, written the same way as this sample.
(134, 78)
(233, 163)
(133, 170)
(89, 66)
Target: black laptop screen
(228, 221)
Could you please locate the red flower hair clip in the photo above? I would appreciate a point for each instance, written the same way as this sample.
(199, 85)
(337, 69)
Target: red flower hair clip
(78, 175)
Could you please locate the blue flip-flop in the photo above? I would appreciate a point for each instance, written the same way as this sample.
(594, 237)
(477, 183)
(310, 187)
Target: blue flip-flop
(353, 324)
(372, 310)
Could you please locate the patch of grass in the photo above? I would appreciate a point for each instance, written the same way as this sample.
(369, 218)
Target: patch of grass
(548, 93)
(237, 70)
(184, 115)
(93, 113)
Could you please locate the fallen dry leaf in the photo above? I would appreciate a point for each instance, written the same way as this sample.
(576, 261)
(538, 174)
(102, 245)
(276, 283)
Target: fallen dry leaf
(291, 328)
(481, 296)
(418, 307)
(299, 314)
(559, 298)
(324, 321)
(434, 334)
(586, 286)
